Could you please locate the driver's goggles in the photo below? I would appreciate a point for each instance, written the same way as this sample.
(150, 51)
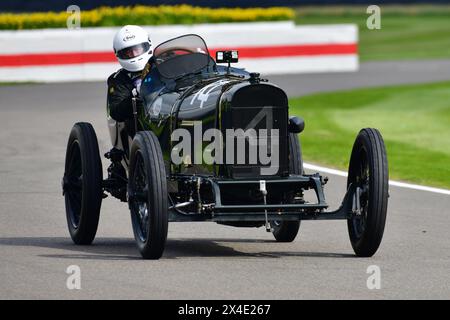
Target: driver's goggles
(133, 51)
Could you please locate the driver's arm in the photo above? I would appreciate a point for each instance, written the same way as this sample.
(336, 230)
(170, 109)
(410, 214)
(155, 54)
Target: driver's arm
(119, 99)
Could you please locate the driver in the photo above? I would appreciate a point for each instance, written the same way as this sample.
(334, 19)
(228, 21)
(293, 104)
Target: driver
(133, 49)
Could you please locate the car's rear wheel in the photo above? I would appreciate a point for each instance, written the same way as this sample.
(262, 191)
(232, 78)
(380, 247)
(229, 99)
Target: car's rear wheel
(82, 183)
(286, 231)
(147, 195)
(368, 173)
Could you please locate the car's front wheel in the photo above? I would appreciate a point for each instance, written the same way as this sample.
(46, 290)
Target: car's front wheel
(368, 174)
(82, 183)
(147, 195)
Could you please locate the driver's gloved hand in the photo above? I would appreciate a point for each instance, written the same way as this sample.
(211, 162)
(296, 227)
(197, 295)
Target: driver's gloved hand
(119, 101)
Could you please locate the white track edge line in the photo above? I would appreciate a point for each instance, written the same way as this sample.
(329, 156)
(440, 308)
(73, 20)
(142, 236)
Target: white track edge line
(391, 182)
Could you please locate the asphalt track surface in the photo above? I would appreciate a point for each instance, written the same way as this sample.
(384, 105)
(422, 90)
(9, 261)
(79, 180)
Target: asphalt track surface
(201, 260)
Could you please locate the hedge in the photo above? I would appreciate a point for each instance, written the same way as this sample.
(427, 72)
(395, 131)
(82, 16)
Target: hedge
(143, 15)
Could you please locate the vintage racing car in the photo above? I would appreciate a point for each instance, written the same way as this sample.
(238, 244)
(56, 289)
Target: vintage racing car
(215, 143)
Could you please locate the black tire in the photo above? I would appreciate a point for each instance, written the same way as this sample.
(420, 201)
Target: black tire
(286, 231)
(368, 170)
(82, 183)
(147, 190)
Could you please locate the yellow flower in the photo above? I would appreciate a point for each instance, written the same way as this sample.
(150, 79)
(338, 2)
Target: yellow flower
(145, 15)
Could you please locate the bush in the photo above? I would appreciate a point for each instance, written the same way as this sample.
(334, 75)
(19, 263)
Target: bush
(144, 15)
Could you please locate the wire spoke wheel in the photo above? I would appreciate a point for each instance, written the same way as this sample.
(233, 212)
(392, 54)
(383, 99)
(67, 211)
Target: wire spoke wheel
(362, 185)
(286, 231)
(73, 188)
(139, 200)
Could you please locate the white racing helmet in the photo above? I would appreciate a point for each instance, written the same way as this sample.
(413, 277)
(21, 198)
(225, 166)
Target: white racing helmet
(132, 47)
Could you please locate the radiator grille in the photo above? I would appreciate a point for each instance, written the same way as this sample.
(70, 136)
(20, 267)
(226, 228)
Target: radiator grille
(252, 109)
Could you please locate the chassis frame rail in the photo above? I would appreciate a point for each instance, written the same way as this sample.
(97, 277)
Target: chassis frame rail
(275, 212)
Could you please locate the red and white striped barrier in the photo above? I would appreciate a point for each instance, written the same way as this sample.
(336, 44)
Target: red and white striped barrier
(53, 55)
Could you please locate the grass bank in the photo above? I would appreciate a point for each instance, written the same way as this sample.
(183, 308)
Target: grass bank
(407, 32)
(414, 121)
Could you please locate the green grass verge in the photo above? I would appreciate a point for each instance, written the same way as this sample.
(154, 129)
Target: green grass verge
(407, 32)
(414, 121)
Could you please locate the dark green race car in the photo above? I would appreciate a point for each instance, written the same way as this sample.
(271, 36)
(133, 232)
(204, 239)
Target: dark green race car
(215, 143)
